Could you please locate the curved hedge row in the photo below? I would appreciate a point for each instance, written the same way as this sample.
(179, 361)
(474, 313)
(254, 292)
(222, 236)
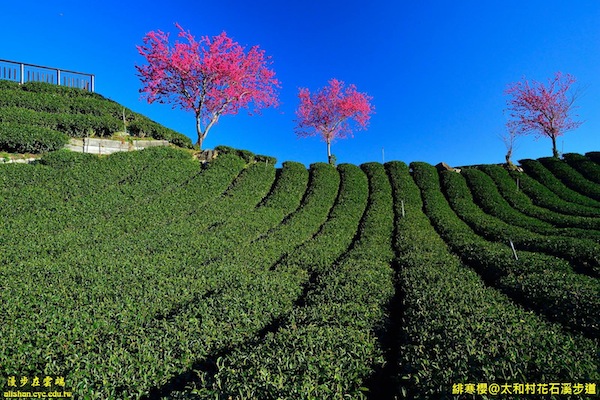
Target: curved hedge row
(546, 198)
(74, 125)
(248, 156)
(18, 138)
(572, 301)
(77, 113)
(538, 171)
(584, 254)
(455, 329)
(506, 184)
(571, 178)
(486, 195)
(586, 167)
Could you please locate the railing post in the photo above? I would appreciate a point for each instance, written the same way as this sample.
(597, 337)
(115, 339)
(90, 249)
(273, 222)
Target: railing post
(58, 76)
(93, 82)
(22, 78)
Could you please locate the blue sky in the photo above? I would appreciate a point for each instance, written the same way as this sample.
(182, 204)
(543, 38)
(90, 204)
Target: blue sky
(436, 70)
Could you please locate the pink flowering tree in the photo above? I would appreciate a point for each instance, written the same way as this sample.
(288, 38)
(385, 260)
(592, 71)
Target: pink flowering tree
(211, 77)
(544, 110)
(329, 111)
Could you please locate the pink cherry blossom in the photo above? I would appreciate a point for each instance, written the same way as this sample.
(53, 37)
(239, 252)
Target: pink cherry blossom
(211, 77)
(542, 109)
(328, 112)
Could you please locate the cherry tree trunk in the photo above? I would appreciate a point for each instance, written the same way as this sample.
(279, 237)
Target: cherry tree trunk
(330, 158)
(199, 131)
(554, 151)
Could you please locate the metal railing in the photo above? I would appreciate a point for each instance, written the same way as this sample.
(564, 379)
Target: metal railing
(23, 72)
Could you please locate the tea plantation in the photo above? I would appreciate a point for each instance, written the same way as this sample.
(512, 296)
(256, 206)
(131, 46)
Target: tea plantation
(145, 275)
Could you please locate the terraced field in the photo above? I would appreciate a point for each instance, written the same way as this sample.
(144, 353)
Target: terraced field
(144, 275)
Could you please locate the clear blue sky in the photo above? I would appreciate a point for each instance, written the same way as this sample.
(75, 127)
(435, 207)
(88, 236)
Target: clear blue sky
(436, 69)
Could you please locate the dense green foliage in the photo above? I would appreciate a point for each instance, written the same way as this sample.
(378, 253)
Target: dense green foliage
(589, 169)
(570, 177)
(17, 138)
(539, 171)
(594, 156)
(74, 112)
(149, 275)
(520, 201)
(455, 328)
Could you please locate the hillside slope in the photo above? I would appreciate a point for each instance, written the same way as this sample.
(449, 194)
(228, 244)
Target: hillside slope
(143, 275)
(38, 117)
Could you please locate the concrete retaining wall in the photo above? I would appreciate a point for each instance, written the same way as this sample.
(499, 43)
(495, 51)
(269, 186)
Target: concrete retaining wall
(18, 161)
(109, 146)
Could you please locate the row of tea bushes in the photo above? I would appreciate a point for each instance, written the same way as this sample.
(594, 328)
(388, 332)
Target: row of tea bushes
(454, 328)
(76, 113)
(543, 197)
(327, 347)
(537, 170)
(505, 184)
(584, 254)
(571, 178)
(582, 164)
(486, 195)
(17, 138)
(562, 295)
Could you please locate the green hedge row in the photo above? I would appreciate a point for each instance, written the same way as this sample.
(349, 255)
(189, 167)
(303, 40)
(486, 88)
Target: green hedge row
(537, 170)
(594, 156)
(55, 102)
(586, 167)
(248, 156)
(571, 178)
(454, 328)
(584, 254)
(507, 186)
(65, 91)
(236, 293)
(544, 197)
(77, 113)
(571, 304)
(17, 138)
(71, 124)
(327, 347)
(136, 300)
(486, 195)
(43, 87)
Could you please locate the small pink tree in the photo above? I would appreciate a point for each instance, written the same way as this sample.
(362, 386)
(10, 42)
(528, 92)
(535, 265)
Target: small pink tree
(211, 77)
(328, 112)
(542, 109)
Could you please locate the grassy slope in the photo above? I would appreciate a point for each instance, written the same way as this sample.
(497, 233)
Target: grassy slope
(143, 274)
(37, 106)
